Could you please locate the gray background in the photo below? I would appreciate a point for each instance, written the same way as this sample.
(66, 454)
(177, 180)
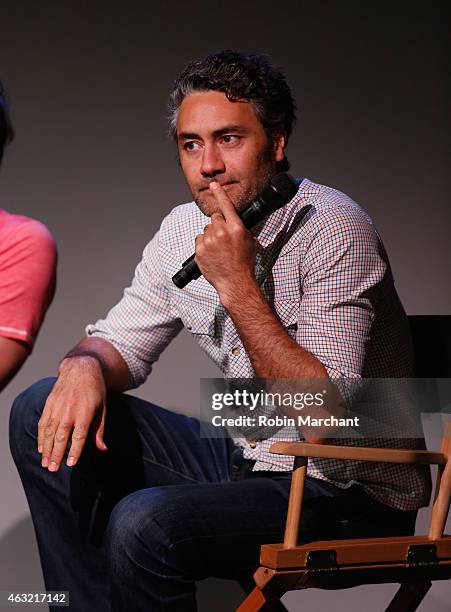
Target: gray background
(88, 83)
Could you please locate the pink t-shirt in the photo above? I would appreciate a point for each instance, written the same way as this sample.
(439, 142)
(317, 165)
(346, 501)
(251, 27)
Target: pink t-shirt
(27, 276)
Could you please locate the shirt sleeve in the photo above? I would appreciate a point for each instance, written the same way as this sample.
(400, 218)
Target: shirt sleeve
(341, 275)
(27, 281)
(141, 325)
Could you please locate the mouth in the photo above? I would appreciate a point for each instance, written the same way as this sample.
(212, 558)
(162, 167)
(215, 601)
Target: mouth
(223, 185)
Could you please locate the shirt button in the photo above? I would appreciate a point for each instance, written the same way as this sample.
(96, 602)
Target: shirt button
(236, 351)
(252, 443)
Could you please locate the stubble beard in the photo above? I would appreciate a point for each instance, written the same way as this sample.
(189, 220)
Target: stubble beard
(248, 194)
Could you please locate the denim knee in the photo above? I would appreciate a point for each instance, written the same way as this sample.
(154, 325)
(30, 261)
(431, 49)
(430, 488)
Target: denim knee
(25, 414)
(134, 533)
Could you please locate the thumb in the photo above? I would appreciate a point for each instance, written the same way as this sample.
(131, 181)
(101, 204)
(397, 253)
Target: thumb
(99, 441)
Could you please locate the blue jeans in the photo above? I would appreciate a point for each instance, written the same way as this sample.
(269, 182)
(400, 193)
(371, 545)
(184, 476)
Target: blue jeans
(133, 528)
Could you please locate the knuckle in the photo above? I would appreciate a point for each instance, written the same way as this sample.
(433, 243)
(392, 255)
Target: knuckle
(80, 434)
(79, 437)
(60, 436)
(48, 433)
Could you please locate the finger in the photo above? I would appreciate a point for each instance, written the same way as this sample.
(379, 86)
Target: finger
(60, 440)
(216, 218)
(79, 436)
(207, 229)
(198, 243)
(99, 438)
(42, 424)
(225, 203)
(95, 424)
(49, 427)
(218, 225)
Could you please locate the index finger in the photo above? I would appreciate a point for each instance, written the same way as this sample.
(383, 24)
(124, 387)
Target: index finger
(226, 206)
(42, 423)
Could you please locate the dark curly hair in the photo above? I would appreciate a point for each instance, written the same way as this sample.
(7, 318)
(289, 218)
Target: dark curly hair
(240, 76)
(6, 128)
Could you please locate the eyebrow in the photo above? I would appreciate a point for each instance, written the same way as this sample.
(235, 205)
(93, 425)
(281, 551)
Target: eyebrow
(216, 134)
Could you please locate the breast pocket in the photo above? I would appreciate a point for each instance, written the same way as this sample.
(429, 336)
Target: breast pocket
(287, 312)
(196, 320)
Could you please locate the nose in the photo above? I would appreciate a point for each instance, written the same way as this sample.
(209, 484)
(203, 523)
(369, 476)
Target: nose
(212, 162)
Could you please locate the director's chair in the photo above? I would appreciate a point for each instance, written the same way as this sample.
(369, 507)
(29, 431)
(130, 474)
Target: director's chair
(412, 561)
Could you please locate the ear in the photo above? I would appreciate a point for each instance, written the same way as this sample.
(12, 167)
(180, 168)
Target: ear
(279, 147)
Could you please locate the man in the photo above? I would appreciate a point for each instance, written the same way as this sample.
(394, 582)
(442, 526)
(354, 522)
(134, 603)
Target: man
(307, 295)
(27, 275)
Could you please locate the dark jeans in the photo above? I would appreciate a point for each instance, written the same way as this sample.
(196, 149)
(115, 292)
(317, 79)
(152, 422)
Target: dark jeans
(133, 528)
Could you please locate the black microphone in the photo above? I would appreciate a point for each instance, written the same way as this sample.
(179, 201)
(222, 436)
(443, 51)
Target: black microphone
(282, 188)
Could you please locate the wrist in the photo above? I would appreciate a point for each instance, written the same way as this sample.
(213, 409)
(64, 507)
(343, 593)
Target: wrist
(85, 362)
(243, 289)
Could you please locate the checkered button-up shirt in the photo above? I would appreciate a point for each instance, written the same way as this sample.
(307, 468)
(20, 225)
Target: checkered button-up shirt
(322, 267)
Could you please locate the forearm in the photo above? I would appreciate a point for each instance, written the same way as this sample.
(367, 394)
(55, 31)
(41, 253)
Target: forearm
(99, 353)
(226, 254)
(272, 352)
(285, 365)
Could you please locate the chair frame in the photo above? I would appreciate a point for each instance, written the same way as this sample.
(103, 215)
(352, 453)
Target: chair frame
(412, 561)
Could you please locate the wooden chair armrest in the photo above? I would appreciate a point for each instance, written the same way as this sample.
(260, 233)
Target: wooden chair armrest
(359, 453)
(303, 450)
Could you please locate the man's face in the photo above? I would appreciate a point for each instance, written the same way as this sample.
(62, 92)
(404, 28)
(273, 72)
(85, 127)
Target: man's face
(224, 141)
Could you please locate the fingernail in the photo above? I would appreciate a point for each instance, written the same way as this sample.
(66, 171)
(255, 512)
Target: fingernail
(70, 461)
(40, 449)
(53, 466)
(213, 185)
(44, 462)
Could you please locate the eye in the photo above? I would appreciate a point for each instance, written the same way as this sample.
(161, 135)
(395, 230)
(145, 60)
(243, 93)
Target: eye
(230, 139)
(191, 146)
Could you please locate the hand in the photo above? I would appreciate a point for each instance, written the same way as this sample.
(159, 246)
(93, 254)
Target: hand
(225, 252)
(76, 404)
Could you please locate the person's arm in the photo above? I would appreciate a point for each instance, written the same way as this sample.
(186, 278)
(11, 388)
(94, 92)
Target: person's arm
(27, 286)
(273, 353)
(13, 353)
(117, 355)
(226, 256)
(276, 357)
